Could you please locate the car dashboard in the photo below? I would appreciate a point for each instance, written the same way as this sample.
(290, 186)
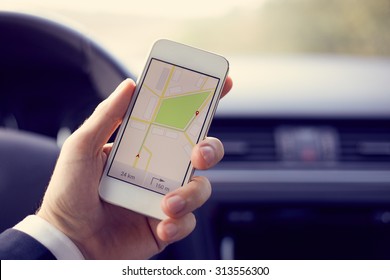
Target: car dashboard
(304, 176)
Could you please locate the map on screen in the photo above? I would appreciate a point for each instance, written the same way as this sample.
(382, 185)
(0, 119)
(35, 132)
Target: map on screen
(164, 125)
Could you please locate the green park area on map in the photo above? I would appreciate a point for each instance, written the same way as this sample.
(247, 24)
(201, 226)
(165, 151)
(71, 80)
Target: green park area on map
(177, 112)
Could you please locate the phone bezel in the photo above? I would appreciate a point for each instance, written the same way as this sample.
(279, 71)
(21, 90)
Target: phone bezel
(133, 197)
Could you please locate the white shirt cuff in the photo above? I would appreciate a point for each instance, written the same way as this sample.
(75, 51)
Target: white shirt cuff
(49, 236)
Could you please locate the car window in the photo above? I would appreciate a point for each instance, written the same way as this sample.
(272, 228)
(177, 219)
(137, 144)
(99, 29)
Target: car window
(305, 51)
(245, 27)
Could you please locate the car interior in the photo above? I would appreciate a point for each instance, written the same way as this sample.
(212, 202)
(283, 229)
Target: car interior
(306, 172)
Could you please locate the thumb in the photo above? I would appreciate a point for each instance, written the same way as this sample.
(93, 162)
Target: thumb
(99, 127)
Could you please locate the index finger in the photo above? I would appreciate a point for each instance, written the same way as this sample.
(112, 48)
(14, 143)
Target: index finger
(227, 87)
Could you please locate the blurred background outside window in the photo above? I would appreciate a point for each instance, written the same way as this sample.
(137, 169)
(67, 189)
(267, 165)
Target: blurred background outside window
(231, 27)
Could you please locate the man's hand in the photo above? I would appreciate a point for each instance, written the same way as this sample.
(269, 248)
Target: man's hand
(102, 230)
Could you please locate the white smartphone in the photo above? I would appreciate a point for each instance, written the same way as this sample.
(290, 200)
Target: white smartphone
(174, 102)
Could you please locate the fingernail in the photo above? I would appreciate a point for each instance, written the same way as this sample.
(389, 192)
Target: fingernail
(208, 154)
(175, 203)
(171, 230)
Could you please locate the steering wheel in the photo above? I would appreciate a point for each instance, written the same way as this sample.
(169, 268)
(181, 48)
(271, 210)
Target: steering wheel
(51, 77)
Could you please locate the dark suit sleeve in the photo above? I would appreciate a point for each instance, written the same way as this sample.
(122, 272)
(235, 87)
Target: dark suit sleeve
(16, 245)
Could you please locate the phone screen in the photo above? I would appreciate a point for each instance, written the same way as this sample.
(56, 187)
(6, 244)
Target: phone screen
(165, 123)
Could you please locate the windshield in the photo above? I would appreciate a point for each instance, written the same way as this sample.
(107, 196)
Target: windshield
(234, 28)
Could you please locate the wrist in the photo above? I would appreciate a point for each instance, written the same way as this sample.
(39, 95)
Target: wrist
(62, 226)
(50, 237)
